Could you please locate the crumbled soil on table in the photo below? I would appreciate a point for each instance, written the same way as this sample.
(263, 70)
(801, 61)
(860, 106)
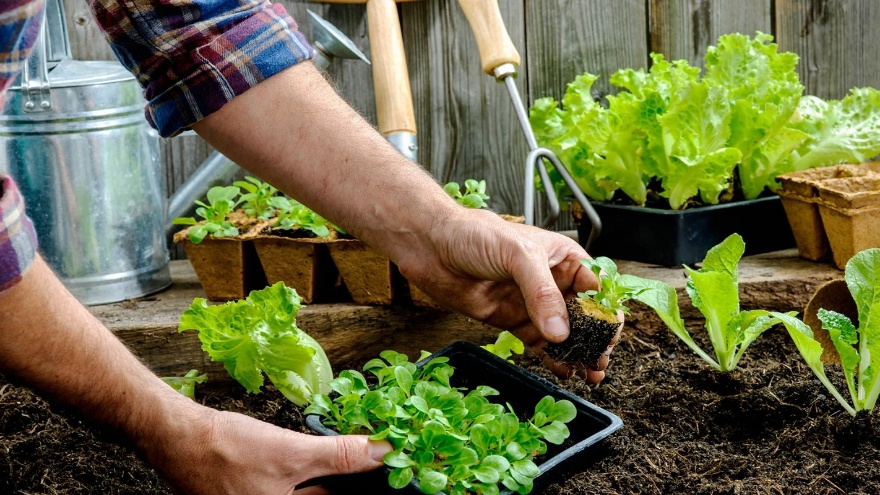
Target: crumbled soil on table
(769, 427)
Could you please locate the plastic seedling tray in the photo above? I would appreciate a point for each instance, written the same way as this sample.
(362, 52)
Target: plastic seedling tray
(522, 390)
(675, 237)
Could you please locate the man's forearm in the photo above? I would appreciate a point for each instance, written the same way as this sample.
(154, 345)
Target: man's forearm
(295, 132)
(53, 343)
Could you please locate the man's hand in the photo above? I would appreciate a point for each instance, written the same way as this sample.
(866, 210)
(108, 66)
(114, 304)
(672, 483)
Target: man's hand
(229, 453)
(508, 275)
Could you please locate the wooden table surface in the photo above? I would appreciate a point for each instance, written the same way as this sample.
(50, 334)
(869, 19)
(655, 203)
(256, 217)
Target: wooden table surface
(352, 334)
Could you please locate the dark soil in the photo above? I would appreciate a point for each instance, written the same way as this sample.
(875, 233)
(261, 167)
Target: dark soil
(290, 233)
(592, 330)
(769, 427)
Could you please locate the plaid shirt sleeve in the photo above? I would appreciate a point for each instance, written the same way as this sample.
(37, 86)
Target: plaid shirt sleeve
(18, 241)
(194, 56)
(19, 27)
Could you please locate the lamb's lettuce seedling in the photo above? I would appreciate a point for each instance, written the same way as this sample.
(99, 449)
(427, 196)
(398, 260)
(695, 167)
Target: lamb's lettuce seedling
(294, 215)
(257, 202)
(447, 440)
(259, 335)
(221, 202)
(714, 290)
(506, 345)
(474, 195)
(186, 384)
(858, 347)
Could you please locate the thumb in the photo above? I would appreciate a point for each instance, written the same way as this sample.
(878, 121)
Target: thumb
(544, 301)
(343, 454)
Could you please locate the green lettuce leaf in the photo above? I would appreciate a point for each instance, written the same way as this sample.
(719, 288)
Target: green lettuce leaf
(862, 276)
(186, 384)
(259, 335)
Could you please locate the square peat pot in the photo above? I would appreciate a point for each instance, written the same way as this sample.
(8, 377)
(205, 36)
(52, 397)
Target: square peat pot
(523, 390)
(676, 237)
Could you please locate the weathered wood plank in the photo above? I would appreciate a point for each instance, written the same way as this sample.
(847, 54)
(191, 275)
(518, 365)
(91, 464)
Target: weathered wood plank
(352, 334)
(837, 41)
(683, 29)
(468, 128)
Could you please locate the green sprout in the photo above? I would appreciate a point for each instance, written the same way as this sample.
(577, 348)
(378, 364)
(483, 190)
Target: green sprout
(474, 193)
(257, 202)
(221, 202)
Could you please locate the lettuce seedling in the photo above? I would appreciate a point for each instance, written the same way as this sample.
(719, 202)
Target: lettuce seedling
(714, 290)
(259, 335)
(858, 347)
(294, 215)
(257, 202)
(506, 345)
(186, 384)
(445, 439)
(474, 195)
(221, 202)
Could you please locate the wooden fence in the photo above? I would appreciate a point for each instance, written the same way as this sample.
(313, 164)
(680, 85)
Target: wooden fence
(467, 127)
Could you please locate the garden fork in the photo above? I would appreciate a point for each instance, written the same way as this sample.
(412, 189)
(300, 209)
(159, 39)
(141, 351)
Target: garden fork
(500, 59)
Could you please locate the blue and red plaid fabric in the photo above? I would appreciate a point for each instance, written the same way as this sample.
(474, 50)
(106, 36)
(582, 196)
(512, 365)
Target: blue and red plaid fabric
(194, 56)
(190, 56)
(18, 241)
(19, 27)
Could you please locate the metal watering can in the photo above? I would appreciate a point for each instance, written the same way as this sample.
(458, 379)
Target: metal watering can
(74, 137)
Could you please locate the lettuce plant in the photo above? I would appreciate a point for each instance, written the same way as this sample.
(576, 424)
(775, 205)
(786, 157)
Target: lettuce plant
(714, 291)
(186, 384)
(221, 202)
(474, 195)
(506, 345)
(692, 133)
(858, 347)
(294, 215)
(445, 439)
(613, 289)
(257, 336)
(257, 201)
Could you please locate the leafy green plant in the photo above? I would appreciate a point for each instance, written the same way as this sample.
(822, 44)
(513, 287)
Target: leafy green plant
(506, 345)
(257, 336)
(474, 195)
(445, 439)
(612, 289)
(257, 201)
(186, 384)
(858, 347)
(744, 117)
(221, 202)
(294, 215)
(714, 291)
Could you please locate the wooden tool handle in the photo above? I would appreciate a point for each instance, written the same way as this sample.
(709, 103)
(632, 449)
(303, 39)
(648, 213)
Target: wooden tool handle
(492, 38)
(394, 104)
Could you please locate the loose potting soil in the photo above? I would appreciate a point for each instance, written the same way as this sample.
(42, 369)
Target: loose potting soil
(767, 428)
(592, 330)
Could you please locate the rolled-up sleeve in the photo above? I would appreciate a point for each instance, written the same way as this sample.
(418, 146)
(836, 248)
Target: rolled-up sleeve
(18, 241)
(194, 56)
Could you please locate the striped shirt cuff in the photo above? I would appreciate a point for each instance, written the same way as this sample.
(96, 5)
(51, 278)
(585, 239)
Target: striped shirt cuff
(18, 240)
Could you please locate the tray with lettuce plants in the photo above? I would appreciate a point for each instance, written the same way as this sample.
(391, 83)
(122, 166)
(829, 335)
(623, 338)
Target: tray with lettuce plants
(461, 420)
(677, 139)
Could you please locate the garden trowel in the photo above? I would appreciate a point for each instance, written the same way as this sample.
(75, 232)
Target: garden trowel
(330, 43)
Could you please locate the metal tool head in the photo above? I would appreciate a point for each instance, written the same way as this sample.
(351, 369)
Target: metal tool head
(330, 43)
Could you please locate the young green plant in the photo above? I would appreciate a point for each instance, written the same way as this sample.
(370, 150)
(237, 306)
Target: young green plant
(474, 195)
(447, 440)
(858, 347)
(186, 384)
(294, 215)
(506, 345)
(257, 336)
(258, 199)
(221, 202)
(714, 291)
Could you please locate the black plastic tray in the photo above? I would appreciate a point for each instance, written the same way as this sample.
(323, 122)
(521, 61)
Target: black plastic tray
(521, 389)
(675, 237)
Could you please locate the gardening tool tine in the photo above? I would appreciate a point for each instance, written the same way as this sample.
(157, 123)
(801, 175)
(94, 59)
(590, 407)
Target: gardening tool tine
(595, 222)
(535, 160)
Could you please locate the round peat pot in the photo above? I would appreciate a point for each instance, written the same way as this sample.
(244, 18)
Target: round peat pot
(87, 164)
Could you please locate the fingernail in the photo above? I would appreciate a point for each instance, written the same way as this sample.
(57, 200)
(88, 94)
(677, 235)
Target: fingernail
(556, 328)
(378, 450)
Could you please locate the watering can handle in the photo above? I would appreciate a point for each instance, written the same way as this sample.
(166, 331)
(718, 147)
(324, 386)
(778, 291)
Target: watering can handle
(493, 41)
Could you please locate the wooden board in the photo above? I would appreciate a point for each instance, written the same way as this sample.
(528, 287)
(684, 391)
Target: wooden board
(352, 334)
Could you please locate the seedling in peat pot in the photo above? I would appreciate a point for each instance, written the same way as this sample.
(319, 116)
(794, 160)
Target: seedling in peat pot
(221, 202)
(592, 316)
(257, 202)
(474, 193)
(858, 348)
(294, 215)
